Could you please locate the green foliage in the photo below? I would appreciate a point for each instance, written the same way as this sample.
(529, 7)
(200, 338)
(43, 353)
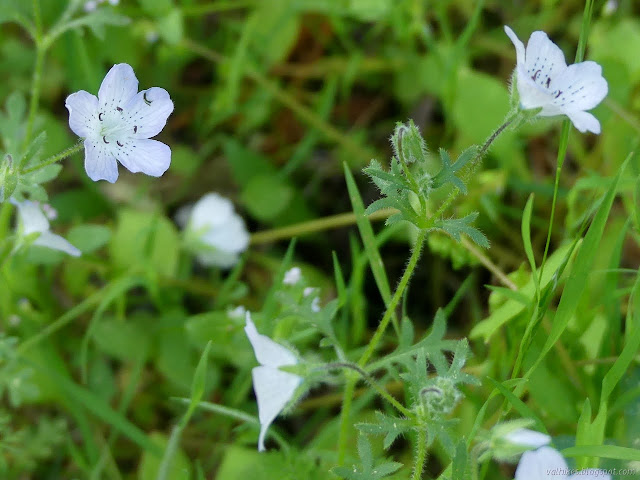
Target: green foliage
(367, 469)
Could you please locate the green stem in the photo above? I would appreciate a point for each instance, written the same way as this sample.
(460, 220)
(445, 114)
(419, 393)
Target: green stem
(371, 381)
(562, 151)
(421, 454)
(404, 281)
(345, 414)
(220, 6)
(56, 158)
(37, 73)
(312, 226)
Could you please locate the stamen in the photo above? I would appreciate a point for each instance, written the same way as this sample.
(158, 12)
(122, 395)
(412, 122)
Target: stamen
(105, 139)
(119, 144)
(135, 129)
(559, 93)
(100, 116)
(535, 75)
(548, 82)
(144, 96)
(119, 109)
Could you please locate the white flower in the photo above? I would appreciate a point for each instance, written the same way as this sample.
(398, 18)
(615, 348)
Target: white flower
(91, 5)
(274, 388)
(292, 276)
(219, 234)
(33, 220)
(544, 80)
(118, 124)
(546, 463)
(315, 305)
(527, 438)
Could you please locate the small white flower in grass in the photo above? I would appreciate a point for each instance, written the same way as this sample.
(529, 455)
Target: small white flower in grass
(528, 438)
(315, 305)
(292, 276)
(216, 234)
(33, 220)
(117, 126)
(545, 81)
(274, 388)
(546, 463)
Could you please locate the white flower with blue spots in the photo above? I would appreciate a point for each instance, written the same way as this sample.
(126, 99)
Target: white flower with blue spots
(545, 81)
(117, 126)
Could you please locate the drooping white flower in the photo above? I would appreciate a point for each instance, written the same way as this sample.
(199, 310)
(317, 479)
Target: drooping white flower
(92, 5)
(117, 126)
(527, 438)
(544, 80)
(315, 305)
(33, 220)
(546, 463)
(273, 387)
(216, 234)
(292, 276)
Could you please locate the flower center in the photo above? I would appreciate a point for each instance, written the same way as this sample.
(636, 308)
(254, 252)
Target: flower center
(115, 127)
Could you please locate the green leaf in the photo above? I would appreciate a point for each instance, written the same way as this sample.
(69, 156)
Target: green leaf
(261, 187)
(89, 238)
(603, 451)
(390, 427)
(526, 240)
(146, 240)
(150, 464)
(457, 226)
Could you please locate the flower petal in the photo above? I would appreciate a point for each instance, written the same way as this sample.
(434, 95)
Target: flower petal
(148, 112)
(590, 474)
(584, 121)
(274, 389)
(529, 438)
(544, 60)
(99, 161)
(31, 217)
(56, 242)
(147, 156)
(230, 237)
(267, 351)
(119, 86)
(83, 113)
(582, 86)
(536, 465)
(520, 55)
(212, 210)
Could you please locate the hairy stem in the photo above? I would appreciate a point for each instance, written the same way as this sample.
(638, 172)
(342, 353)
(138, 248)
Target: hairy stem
(57, 157)
(421, 454)
(37, 73)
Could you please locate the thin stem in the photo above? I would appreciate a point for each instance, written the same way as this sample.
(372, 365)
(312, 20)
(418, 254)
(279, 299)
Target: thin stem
(404, 281)
(421, 454)
(371, 381)
(345, 414)
(564, 142)
(312, 226)
(37, 72)
(220, 6)
(56, 158)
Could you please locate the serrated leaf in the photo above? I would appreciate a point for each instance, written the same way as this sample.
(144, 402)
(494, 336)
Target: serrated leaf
(390, 427)
(457, 226)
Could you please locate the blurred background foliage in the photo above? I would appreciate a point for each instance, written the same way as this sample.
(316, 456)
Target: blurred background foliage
(271, 97)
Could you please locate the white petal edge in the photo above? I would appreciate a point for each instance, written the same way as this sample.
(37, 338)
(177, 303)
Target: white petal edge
(541, 48)
(56, 242)
(273, 389)
(535, 465)
(149, 110)
(584, 121)
(590, 474)
(529, 438)
(149, 157)
(230, 237)
(520, 50)
(99, 162)
(119, 86)
(583, 82)
(32, 218)
(267, 351)
(83, 110)
(211, 210)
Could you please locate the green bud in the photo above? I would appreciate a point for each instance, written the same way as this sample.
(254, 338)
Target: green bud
(441, 397)
(408, 144)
